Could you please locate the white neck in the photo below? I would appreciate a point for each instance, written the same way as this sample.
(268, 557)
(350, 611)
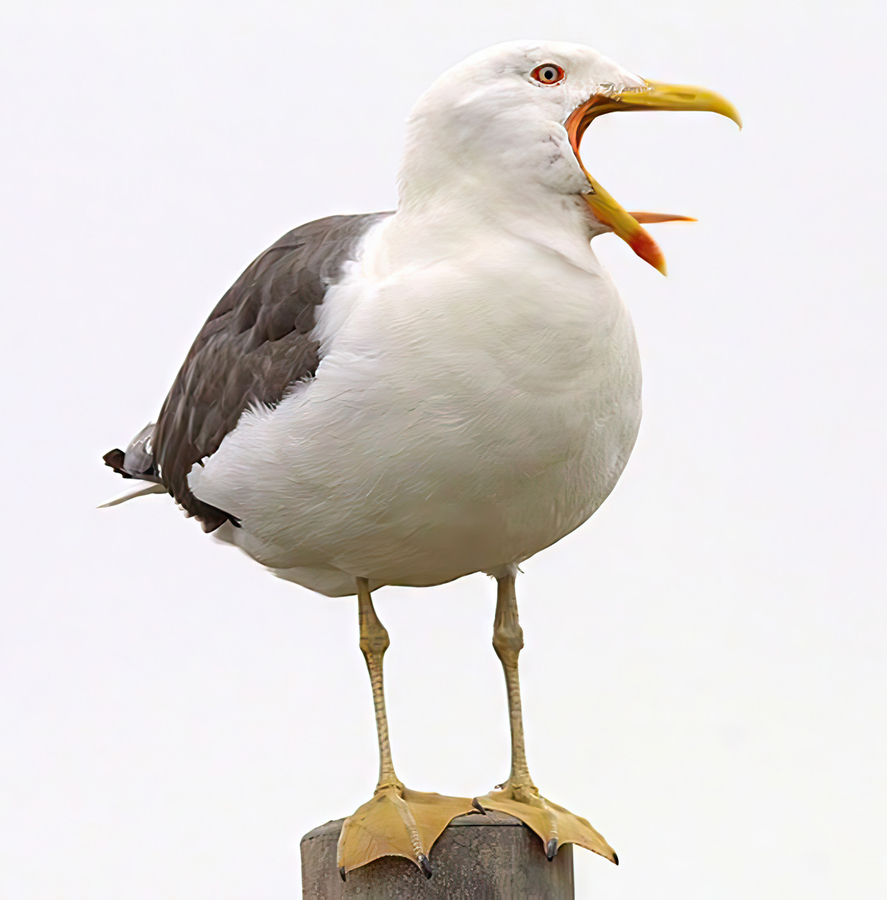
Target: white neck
(460, 178)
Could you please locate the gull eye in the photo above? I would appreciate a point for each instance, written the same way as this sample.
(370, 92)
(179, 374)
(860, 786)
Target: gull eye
(548, 73)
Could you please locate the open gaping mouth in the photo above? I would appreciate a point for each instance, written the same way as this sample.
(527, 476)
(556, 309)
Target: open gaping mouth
(653, 96)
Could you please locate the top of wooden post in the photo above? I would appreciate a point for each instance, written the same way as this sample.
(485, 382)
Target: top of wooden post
(478, 857)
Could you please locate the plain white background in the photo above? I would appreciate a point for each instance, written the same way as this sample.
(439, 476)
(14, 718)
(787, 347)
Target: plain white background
(704, 675)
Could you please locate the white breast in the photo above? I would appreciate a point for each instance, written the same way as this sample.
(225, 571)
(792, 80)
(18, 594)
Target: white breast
(468, 413)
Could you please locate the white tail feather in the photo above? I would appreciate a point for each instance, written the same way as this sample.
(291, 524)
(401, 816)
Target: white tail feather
(132, 493)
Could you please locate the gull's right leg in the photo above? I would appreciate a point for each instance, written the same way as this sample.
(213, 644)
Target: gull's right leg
(397, 821)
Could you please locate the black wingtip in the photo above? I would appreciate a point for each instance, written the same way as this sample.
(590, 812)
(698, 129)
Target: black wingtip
(116, 459)
(425, 865)
(615, 858)
(551, 849)
(342, 872)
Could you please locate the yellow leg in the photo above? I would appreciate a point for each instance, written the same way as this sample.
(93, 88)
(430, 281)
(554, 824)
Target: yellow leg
(374, 641)
(519, 797)
(397, 821)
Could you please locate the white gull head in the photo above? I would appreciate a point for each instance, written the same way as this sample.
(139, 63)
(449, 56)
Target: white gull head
(495, 123)
(498, 136)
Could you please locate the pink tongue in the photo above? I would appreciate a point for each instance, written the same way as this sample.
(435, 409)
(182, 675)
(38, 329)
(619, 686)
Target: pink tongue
(648, 218)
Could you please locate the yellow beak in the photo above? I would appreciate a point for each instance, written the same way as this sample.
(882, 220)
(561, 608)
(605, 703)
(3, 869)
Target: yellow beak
(655, 96)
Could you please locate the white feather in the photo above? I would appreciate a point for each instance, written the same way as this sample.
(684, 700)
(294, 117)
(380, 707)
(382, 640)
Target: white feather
(140, 490)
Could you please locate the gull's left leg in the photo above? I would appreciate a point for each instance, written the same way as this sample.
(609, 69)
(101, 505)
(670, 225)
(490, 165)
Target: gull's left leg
(397, 821)
(519, 797)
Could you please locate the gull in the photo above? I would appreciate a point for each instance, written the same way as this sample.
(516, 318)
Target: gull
(408, 397)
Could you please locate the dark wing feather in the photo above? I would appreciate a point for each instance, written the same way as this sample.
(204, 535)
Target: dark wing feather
(138, 460)
(253, 347)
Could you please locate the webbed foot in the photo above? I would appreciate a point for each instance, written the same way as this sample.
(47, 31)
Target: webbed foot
(397, 822)
(554, 824)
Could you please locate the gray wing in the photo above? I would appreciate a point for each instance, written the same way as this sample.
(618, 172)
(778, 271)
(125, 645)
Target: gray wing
(255, 344)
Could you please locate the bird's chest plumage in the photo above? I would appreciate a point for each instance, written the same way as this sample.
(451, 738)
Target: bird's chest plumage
(529, 382)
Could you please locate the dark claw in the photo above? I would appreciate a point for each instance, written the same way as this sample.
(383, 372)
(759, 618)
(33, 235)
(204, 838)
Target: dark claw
(342, 872)
(425, 865)
(476, 804)
(551, 849)
(615, 858)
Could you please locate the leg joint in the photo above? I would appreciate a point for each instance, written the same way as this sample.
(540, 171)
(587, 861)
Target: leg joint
(375, 643)
(508, 641)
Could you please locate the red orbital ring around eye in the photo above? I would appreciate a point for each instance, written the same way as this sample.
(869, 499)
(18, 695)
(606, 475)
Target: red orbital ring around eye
(536, 74)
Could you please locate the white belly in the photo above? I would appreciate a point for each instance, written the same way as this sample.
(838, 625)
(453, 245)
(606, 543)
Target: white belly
(444, 433)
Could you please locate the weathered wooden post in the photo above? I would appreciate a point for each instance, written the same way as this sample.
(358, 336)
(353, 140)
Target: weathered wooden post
(491, 857)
